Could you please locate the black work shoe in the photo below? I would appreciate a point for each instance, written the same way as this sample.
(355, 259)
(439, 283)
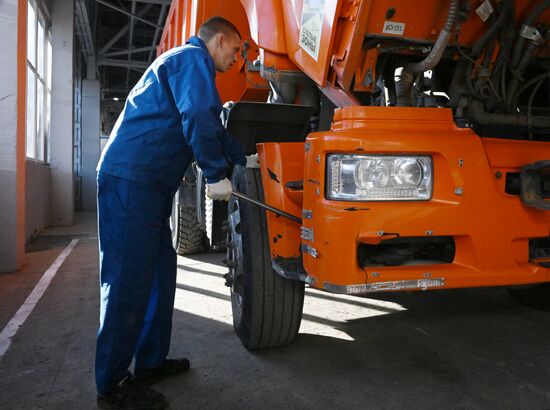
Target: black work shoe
(169, 367)
(131, 395)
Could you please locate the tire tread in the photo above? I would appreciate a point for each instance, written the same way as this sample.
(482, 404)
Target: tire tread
(190, 236)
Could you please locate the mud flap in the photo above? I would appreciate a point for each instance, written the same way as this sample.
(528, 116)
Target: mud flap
(252, 123)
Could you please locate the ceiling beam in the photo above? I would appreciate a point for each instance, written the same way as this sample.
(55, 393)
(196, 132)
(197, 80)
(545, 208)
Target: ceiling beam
(84, 28)
(128, 14)
(112, 62)
(131, 40)
(121, 32)
(129, 51)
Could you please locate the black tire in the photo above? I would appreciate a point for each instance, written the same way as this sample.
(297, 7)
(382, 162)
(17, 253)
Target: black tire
(536, 297)
(267, 308)
(188, 237)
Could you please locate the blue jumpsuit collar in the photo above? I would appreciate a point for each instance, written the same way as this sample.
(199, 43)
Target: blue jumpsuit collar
(196, 41)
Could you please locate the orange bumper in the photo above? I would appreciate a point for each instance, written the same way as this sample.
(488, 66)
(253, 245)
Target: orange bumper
(491, 229)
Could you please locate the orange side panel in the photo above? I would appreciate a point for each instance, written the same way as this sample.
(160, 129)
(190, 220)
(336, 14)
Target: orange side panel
(266, 24)
(184, 19)
(166, 40)
(267, 28)
(232, 84)
(282, 163)
(311, 50)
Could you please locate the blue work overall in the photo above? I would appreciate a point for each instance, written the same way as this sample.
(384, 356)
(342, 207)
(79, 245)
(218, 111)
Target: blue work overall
(170, 116)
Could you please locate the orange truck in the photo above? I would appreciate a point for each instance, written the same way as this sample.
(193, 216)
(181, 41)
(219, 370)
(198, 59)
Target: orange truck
(409, 141)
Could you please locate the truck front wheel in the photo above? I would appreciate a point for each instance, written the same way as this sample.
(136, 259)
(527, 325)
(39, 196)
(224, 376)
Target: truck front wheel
(267, 308)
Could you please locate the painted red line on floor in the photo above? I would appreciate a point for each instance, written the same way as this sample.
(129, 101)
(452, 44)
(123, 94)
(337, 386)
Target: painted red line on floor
(27, 307)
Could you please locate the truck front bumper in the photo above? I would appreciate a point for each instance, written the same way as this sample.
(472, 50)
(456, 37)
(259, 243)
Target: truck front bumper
(487, 236)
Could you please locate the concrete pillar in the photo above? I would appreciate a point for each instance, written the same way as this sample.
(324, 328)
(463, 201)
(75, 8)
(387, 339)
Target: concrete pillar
(90, 142)
(61, 143)
(12, 133)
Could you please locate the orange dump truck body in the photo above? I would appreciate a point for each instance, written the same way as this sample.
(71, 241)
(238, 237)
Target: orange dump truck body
(490, 231)
(183, 21)
(482, 232)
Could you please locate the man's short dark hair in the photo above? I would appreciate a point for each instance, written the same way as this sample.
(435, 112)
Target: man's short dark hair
(215, 25)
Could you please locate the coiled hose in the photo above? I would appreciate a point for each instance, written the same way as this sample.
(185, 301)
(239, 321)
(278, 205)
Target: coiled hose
(405, 82)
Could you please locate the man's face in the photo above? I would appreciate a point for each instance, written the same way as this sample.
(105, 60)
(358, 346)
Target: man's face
(226, 52)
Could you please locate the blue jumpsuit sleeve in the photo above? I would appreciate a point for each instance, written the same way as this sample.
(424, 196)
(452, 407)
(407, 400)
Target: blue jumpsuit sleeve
(235, 150)
(195, 94)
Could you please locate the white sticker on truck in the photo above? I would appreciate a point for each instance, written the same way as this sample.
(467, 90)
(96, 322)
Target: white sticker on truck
(485, 10)
(312, 26)
(391, 27)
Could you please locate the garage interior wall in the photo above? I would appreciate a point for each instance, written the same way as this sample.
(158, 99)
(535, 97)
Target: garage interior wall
(37, 193)
(12, 134)
(48, 187)
(34, 194)
(61, 143)
(90, 142)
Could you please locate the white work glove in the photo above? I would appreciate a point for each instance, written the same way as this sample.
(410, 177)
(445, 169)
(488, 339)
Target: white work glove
(220, 191)
(252, 161)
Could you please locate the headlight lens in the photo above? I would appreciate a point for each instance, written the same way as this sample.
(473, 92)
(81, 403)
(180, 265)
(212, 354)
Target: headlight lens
(379, 177)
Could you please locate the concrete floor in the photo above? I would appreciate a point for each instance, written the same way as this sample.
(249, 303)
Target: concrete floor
(469, 349)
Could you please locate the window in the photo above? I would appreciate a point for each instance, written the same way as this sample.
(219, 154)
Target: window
(39, 82)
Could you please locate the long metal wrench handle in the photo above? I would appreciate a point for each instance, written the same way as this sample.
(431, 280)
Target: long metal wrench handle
(268, 207)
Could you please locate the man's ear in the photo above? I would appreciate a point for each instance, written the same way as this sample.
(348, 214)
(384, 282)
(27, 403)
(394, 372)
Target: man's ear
(220, 38)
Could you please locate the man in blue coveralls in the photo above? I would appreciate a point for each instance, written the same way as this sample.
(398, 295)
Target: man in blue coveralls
(170, 116)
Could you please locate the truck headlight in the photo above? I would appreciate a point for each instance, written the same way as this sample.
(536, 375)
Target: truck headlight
(379, 177)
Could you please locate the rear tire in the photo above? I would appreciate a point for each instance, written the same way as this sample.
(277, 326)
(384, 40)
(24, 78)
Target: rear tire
(536, 297)
(267, 308)
(188, 237)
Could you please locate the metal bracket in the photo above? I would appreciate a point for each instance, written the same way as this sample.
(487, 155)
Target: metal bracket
(309, 250)
(531, 33)
(307, 233)
(291, 268)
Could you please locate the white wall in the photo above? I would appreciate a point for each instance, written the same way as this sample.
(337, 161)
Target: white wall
(61, 154)
(33, 195)
(90, 142)
(12, 145)
(37, 188)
